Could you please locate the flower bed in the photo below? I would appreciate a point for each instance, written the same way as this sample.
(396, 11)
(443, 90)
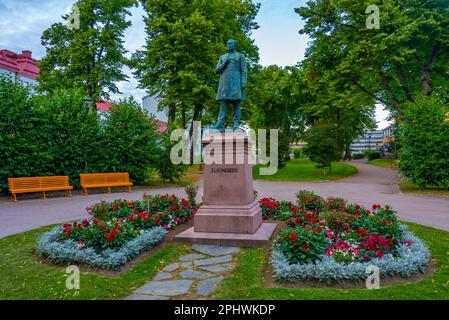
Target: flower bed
(331, 240)
(117, 231)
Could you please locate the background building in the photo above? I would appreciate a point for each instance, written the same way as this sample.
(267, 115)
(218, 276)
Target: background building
(19, 66)
(370, 141)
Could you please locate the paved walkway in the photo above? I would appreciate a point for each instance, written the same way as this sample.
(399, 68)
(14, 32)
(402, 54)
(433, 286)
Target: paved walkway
(371, 185)
(194, 276)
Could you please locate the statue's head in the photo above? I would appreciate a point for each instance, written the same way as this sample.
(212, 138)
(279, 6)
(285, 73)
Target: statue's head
(231, 45)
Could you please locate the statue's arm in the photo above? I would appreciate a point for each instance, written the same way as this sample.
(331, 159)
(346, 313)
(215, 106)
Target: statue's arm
(243, 70)
(221, 65)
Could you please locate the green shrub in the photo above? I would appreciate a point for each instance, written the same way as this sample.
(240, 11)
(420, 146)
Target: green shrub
(69, 133)
(424, 135)
(163, 166)
(373, 155)
(358, 156)
(129, 140)
(297, 153)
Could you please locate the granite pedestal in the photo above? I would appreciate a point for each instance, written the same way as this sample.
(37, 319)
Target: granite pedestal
(230, 215)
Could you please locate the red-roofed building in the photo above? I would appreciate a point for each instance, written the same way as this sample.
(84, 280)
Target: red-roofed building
(20, 66)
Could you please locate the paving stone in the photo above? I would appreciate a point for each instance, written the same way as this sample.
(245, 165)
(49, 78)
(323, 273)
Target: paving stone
(206, 287)
(191, 257)
(217, 268)
(215, 250)
(216, 260)
(163, 276)
(171, 267)
(146, 297)
(193, 274)
(187, 265)
(166, 288)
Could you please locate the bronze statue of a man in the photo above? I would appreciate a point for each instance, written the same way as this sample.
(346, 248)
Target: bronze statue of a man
(233, 73)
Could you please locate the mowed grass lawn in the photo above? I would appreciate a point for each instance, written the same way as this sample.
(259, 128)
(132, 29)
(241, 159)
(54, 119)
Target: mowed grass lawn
(245, 282)
(384, 163)
(23, 276)
(306, 170)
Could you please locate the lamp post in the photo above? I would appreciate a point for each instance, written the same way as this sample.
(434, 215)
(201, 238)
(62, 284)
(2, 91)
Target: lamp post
(369, 142)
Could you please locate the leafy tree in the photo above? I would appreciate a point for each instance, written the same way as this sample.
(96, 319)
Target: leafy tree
(166, 170)
(424, 135)
(322, 146)
(275, 98)
(129, 140)
(184, 41)
(90, 57)
(69, 131)
(394, 64)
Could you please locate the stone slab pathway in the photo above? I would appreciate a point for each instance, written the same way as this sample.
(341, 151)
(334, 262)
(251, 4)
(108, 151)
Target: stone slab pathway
(193, 276)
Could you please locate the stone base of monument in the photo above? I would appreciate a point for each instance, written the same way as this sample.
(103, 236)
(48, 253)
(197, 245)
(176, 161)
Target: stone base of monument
(230, 215)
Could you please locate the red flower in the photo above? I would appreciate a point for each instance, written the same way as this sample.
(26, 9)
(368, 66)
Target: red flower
(361, 232)
(102, 228)
(116, 207)
(367, 258)
(305, 246)
(66, 225)
(294, 236)
(379, 253)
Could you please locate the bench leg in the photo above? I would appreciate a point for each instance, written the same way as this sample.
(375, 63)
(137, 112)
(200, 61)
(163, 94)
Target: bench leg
(13, 197)
(109, 190)
(69, 193)
(84, 192)
(129, 189)
(45, 196)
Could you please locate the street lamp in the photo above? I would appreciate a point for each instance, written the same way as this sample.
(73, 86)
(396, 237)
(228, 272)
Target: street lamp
(369, 142)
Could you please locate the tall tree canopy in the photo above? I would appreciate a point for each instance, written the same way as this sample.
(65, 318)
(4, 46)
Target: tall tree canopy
(404, 58)
(184, 41)
(90, 57)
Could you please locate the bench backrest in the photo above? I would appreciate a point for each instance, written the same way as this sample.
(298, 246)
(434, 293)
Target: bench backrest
(37, 182)
(94, 178)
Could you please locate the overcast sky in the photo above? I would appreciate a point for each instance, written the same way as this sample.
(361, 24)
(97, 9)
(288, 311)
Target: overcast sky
(23, 21)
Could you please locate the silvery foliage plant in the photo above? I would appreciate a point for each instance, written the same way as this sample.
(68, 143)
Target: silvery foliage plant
(68, 251)
(410, 260)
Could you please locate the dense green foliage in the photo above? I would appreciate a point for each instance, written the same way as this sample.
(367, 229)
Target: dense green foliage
(58, 134)
(394, 64)
(322, 146)
(246, 281)
(425, 141)
(92, 57)
(68, 134)
(129, 140)
(185, 39)
(20, 155)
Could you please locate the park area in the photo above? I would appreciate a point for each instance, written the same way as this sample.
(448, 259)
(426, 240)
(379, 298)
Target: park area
(112, 112)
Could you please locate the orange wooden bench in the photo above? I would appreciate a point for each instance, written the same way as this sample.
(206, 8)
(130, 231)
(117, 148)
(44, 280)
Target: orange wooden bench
(39, 184)
(104, 180)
